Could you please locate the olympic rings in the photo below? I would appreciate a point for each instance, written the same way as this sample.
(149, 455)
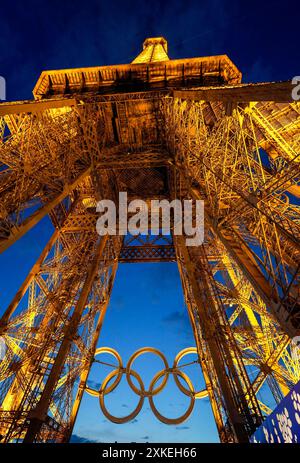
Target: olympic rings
(118, 372)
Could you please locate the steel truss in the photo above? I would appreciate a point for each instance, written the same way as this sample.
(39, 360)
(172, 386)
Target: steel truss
(241, 287)
(252, 207)
(51, 329)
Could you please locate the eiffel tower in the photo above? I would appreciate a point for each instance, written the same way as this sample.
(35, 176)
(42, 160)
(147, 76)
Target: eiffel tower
(156, 129)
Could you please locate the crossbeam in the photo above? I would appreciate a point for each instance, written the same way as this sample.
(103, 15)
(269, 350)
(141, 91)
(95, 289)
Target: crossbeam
(279, 92)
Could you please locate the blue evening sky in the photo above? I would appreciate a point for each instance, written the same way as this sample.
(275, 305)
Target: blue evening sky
(147, 307)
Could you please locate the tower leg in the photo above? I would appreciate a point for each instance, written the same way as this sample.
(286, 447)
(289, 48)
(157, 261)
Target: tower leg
(241, 412)
(51, 341)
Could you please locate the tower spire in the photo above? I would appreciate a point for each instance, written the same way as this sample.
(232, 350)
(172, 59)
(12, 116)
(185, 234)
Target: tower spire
(154, 49)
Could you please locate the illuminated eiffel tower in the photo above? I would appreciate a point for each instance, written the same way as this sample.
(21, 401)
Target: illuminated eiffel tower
(163, 129)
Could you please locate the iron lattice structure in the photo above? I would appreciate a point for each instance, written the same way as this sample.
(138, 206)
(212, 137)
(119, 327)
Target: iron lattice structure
(157, 129)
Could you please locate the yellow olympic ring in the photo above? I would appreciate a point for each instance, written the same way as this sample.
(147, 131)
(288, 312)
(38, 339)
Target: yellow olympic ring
(137, 354)
(179, 356)
(135, 412)
(118, 372)
(114, 353)
(182, 418)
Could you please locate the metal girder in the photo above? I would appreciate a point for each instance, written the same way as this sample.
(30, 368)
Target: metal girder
(239, 401)
(243, 203)
(18, 231)
(36, 338)
(19, 107)
(280, 92)
(146, 253)
(37, 416)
